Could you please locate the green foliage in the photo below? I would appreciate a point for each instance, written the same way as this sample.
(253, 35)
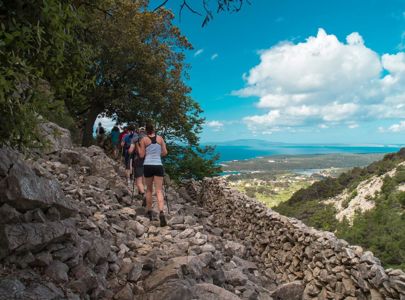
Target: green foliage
(38, 51)
(401, 199)
(68, 61)
(312, 213)
(191, 162)
(381, 230)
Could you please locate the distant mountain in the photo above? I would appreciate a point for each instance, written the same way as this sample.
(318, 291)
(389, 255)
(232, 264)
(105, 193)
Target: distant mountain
(254, 143)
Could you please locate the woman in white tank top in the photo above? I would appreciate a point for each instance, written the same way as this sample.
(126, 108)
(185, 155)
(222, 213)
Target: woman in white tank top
(152, 147)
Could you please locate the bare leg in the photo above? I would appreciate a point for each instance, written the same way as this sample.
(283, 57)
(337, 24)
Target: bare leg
(149, 190)
(159, 192)
(139, 185)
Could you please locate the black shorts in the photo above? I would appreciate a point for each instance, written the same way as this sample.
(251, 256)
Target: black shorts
(138, 172)
(153, 170)
(137, 165)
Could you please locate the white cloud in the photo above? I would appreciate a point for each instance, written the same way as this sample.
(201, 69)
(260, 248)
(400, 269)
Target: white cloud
(214, 56)
(215, 125)
(325, 81)
(198, 52)
(400, 127)
(352, 125)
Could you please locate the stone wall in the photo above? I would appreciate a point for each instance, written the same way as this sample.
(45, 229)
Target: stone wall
(289, 250)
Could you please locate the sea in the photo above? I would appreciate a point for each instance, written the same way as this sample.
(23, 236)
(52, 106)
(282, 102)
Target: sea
(233, 153)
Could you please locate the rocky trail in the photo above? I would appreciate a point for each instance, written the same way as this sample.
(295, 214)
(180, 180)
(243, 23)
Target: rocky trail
(70, 230)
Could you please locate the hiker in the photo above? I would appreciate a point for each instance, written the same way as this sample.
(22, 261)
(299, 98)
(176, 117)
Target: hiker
(120, 138)
(152, 147)
(126, 144)
(137, 164)
(100, 135)
(115, 133)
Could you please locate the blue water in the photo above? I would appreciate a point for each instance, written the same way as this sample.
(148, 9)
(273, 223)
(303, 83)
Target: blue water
(229, 153)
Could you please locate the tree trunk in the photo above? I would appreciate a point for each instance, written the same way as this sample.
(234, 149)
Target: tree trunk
(90, 118)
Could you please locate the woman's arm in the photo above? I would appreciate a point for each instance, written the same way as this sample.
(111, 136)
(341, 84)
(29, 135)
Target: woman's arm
(141, 149)
(163, 144)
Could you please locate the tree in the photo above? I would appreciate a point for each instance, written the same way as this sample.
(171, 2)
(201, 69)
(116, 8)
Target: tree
(43, 65)
(185, 162)
(138, 72)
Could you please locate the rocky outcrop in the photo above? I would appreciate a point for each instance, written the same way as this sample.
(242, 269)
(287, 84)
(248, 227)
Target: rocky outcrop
(69, 229)
(361, 198)
(324, 266)
(56, 137)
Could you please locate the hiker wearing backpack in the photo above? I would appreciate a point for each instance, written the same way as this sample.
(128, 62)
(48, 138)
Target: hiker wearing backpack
(152, 147)
(137, 164)
(100, 135)
(126, 144)
(115, 133)
(120, 139)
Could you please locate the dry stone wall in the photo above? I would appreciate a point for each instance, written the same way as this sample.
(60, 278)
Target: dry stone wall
(288, 250)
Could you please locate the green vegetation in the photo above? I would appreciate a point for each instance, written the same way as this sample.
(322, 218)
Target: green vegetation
(271, 189)
(289, 163)
(69, 61)
(381, 230)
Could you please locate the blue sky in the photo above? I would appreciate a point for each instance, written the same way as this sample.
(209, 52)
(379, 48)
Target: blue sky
(311, 71)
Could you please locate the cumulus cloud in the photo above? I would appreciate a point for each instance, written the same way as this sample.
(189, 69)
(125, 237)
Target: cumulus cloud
(215, 125)
(198, 52)
(325, 81)
(214, 56)
(400, 127)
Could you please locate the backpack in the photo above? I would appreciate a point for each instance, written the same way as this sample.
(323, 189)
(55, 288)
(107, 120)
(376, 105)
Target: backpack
(127, 140)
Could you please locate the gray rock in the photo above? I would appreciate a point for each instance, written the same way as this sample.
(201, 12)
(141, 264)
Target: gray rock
(9, 214)
(99, 251)
(235, 277)
(125, 293)
(244, 264)
(47, 291)
(178, 219)
(57, 271)
(42, 259)
(86, 280)
(135, 272)
(11, 288)
(33, 236)
(234, 248)
(186, 233)
(171, 290)
(208, 291)
(7, 158)
(170, 271)
(289, 291)
(189, 220)
(57, 138)
(136, 227)
(24, 190)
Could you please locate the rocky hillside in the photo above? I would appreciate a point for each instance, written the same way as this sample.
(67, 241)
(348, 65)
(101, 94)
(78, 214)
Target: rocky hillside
(70, 230)
(361, 198)
(365, 206)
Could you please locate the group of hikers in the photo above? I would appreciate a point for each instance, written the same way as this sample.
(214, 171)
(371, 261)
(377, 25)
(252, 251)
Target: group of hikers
(142, 151)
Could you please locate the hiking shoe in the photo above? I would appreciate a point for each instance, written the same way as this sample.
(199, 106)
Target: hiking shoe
(143, 201)
(149, 215)
(162, 219)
